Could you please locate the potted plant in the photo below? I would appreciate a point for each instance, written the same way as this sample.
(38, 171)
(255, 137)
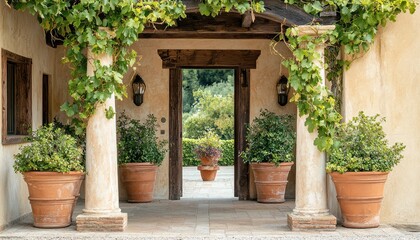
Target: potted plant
(52, 167)
(139, 155)
(359, 167)
(208, 150)
(271, 142)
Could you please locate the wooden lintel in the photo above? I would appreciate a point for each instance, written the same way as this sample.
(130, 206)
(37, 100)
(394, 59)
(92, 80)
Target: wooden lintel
(190, 35)
(173, 58)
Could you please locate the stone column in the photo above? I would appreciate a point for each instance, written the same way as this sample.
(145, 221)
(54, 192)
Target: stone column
(101, 212)
(311, 210)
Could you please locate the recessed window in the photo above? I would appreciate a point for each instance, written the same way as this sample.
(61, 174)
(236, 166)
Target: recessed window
(17, 98)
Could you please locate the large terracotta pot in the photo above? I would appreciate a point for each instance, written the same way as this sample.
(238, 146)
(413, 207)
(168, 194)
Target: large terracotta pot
(53, 196)
(271, 181)
(360, 195)
(139, 181)
(208, 173)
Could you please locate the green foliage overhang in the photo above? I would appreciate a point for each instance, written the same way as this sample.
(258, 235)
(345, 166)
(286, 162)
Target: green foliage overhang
(354, 32)
(84, 24)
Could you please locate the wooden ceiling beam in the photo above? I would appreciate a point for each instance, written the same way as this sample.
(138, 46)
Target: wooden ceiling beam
(174, 58)
(226, 25)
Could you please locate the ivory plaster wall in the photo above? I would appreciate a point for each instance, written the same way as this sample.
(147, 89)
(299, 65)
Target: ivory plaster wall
(156, 99)
(20, 33)
(386, 81)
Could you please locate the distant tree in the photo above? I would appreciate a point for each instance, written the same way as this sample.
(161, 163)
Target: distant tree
(189, 84)
(207, 77)
(194, 79)
(211, 112)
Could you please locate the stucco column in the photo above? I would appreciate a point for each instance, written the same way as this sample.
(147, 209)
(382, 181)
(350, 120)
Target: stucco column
(101, 212)
(311, 210)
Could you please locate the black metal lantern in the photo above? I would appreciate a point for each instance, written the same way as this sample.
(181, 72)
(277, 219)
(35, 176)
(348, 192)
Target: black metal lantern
(282, 91)
(139, 87)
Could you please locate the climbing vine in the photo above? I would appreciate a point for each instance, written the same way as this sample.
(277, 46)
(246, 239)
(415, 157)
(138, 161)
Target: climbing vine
(108, 27)
(354, 32)
(112, 26)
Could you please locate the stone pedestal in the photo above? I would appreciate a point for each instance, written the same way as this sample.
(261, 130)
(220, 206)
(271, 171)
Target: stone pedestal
(101, 212)
(311, 211)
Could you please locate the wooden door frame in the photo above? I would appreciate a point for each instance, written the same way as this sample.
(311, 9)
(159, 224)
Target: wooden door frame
(239, 60)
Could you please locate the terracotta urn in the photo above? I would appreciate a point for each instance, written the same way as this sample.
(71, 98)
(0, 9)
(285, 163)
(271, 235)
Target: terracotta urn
(53, 196)
(360, 196)
(270, 181)
(139, 181)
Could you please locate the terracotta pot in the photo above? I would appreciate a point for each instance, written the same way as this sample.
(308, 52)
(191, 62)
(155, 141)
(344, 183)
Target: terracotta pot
(271, 181)
(360, 195)
(208, 161)
(139, 181)
(208, 173)
(52, 196)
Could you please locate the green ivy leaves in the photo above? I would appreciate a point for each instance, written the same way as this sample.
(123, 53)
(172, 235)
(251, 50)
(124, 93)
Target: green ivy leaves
(355, 31)
(109, 27)
(214, 7)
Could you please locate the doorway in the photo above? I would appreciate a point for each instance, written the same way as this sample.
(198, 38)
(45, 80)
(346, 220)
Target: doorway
(239, 60)
(208, 118)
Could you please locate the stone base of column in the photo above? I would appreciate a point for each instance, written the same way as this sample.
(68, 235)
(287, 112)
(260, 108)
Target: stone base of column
(109, 222)
(311, 222)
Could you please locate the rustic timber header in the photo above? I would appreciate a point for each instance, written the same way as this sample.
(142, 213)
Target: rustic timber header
(174, 58)
(275, 10)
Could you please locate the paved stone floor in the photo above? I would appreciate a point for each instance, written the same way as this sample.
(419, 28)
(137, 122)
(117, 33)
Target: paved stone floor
(207, 213)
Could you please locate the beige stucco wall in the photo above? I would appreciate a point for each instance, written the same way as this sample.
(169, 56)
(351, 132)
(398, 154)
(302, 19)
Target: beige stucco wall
(386, 81)
(20, 33)
(156, 99)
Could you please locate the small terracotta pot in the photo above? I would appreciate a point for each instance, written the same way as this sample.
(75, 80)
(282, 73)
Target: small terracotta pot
(52, 196)
(271, 181)
(139, 181)
(360, 196)
(208, 173)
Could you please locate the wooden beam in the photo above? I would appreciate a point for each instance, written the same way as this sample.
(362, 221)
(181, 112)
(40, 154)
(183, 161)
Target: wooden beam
(275, 10)
(172, 58)
(193, 35)
(175, 130)
(242, 116)
(223, 23)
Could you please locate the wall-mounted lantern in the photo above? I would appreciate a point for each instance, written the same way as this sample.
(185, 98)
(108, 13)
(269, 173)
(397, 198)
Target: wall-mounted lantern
(139, 87)
(282, 91)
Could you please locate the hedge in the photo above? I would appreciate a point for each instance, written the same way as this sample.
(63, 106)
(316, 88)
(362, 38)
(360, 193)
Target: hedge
(189, 158)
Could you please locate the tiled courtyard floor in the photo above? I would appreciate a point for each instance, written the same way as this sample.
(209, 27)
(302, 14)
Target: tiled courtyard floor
(206, 213)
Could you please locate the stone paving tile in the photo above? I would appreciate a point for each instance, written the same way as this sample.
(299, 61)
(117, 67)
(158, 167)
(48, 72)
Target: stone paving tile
(206, 216)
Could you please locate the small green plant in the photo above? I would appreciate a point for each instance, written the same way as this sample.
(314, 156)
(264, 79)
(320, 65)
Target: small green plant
(209, 146)
(138, 141)
(51, 150)
(270, 138)
(362, 147)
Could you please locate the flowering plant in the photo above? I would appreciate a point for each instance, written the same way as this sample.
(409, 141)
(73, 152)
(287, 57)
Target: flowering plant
(209, 147)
